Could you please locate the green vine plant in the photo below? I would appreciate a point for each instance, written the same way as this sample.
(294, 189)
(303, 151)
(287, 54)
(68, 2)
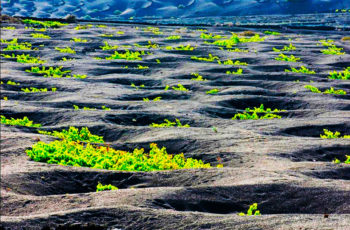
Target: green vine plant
(8, 28)
(235, 50)
(238, 72)
(210, 58)
(74, 134)
(179, 87)
(235, 39)
(210, 36)
(283, 57)
(285, 48)
(100, 187)
(327, 91)
(128, 55)
(39, 35)
(137, 87)
(20, 122)
(83, 27)
(66, 50)
(107, 35)
(79, 40)
(302, 69)
(341, 75)
(49, 24)
(155, 99)
(142, 67)
(168, 123)
(78, 154)
(9, 82)
(55, 72)
(76, 107)
(332, 49)
(18, 46)
(212, 91)
(13, 41)
(252, 211)
(332, 135)
(197, 77)
(24, 58)
(230, 62)
(347, 160)
(36, 90)
(107, 46)
(271, 32)
(174, 37)
(253, 114)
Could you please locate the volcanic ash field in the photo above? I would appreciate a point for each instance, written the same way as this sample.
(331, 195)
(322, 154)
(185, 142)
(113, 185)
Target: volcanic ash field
(203, 77)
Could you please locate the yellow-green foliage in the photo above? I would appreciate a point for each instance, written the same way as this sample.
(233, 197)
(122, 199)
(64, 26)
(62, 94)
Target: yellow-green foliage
(79, 40)
(179, 88)
(341, 75)
(82, 27)
(230, 62)
(72, 153)
(108, 46)
(283, 57)
(101, 187)
(84, 108)
(38, 35)
(210, 58)
(235, 39)
(19, 46)
(142, 67)
(253, 114)
(186, 48)
(107, 35)
(252, 211)
(347, 160)
(74, 134)
(302, 69)
(197, 77)
(333, 50)
(174, 37)
(330, 135)
(168, 123)
(285, 48)
(13, 41)
(327, 91)
(271, 32)
(21, 122)
(238, 72)
(36, 90)
(212, 91)
(154, 30)
(210, 36)
(9, 82)
(66, 50)
(128, 55)
(105, 108)
(236, 50)
(137, 87)
(8, 28)
(55, 72)
(44, 23)
(24, 58)
(67, 59)
(155, 99)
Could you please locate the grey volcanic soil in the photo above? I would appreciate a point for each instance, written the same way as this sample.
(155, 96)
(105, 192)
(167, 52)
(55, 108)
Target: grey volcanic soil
(281, 164)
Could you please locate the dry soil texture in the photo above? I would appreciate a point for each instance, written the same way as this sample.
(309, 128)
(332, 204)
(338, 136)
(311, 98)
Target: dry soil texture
(281, 164)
